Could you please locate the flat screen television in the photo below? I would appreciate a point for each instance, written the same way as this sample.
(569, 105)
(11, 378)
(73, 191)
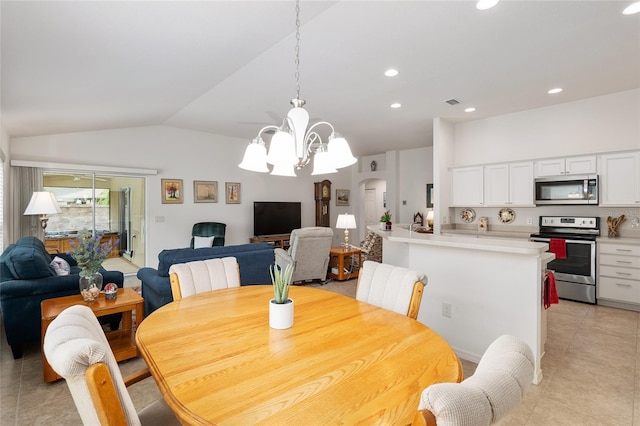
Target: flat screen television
(275, 217)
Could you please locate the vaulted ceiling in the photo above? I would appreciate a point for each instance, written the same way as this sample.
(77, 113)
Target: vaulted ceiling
(227, 67)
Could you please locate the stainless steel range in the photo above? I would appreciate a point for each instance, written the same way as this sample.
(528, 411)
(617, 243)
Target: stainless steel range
(576, 273)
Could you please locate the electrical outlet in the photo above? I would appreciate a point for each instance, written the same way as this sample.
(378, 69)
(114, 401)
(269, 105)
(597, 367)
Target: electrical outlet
(446, 310)
(635, 223)
(529, 221)
(445, 220)
(159, 219)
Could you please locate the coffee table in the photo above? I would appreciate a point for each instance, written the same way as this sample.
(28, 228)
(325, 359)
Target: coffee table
(122, 341)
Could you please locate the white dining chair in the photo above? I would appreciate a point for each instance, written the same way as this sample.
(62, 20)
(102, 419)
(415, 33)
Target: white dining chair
(77, 349)
(391, 287)
(199, 276)
(499, 383)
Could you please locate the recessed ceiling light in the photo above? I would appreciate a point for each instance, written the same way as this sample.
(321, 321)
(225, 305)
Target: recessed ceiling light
(486, 4)
(554, 91)
(391, 72)
(470, 109)
(396, 105)
(632, 8)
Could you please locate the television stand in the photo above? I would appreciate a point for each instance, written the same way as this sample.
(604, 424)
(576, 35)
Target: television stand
(278, 240)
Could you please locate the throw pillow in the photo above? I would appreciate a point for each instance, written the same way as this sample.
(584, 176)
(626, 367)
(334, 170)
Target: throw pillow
(61, 266)
(202, 242)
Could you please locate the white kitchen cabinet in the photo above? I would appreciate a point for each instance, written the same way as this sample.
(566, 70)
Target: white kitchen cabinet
(620, 179)
(619, 274)
(509, 184)
(467, 185)
(581, 165)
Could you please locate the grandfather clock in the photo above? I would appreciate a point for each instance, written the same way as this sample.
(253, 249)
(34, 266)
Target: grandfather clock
(322, 191)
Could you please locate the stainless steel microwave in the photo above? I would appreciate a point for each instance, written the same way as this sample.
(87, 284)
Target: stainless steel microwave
(577, 189)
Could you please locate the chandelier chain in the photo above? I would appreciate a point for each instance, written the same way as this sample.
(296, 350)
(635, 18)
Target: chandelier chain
(297, 49)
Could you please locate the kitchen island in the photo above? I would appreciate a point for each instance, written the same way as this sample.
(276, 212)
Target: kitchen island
(477, 289)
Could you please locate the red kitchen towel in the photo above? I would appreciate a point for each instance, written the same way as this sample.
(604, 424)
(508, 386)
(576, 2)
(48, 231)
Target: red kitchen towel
(549, 292)
(558, 247)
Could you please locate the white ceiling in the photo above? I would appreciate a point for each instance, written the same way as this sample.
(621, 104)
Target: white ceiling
(227, 67)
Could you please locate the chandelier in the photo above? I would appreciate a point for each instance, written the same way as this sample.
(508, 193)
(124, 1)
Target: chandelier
(292, 144)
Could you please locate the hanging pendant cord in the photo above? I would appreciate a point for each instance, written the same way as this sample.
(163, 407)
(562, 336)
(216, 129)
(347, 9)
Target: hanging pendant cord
(297, 49)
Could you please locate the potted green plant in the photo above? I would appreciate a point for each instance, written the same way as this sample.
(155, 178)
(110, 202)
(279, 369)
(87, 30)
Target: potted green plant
(281, 306)
(385, 221)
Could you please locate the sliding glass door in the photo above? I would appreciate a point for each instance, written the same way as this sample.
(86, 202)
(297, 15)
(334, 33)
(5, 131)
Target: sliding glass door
(112, 205)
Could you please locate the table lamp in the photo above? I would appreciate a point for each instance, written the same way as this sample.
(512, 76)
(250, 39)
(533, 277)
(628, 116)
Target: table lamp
(43, 203)
(430, 219)
(346, 221)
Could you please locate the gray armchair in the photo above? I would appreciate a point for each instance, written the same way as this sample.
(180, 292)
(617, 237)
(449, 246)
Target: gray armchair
(308, 253)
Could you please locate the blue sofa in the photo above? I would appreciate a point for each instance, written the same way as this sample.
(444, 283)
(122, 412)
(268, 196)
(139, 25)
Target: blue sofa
(26, 279)
(253, 259)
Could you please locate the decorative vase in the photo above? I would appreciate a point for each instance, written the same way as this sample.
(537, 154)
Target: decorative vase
(280, 314)
(383, 226)
(388, 226)
(90, 286)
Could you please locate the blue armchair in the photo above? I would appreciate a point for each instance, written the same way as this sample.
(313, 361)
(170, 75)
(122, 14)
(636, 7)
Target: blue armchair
(26, 279)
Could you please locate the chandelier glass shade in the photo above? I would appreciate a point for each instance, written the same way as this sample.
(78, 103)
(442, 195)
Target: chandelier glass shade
(294, 142)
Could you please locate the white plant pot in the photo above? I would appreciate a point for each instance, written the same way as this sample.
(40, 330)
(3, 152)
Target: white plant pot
(383, 226)
(280, 314)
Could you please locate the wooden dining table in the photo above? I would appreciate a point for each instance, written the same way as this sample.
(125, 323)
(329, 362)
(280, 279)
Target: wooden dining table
(216, 361)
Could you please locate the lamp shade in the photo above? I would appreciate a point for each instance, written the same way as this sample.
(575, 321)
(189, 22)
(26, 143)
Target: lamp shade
(43, 202)
(255, 157)
(322, 164)
(282, 149)
(340, 152)
(346, 221)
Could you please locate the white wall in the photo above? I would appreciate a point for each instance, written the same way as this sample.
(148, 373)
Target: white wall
(605, 123)
(414, 173)
(187, 155)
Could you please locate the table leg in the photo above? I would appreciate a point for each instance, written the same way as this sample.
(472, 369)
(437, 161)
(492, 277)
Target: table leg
(139, 314)
(48, 373)
(341, 266)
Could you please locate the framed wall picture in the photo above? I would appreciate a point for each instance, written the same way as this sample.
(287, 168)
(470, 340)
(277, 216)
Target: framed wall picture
(205, 191)
(429, 195)
(342, 197)
(232, 192)
(172, 191)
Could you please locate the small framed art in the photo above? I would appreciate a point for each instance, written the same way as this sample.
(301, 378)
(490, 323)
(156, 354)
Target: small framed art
(232, 191)
(205, 191)
(429, 195)
(172, 191)
(342, 197)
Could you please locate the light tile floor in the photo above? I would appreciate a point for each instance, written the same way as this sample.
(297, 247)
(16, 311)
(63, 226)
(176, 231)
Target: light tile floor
(589, 375)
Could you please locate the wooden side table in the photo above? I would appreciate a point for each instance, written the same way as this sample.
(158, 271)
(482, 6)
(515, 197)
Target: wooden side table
(122, 341)
(337, 256)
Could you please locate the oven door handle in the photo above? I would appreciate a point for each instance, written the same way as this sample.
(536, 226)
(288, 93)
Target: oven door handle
(547, 240)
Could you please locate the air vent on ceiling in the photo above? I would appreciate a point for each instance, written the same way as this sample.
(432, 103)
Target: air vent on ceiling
(452, 101)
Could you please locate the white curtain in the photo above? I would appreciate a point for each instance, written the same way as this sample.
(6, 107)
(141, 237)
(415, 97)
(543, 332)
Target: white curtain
(24, 181)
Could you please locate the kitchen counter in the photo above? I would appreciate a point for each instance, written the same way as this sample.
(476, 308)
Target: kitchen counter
(463, 240)
(477, 288)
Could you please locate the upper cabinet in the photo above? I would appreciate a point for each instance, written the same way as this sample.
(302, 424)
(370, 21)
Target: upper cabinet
(509, 184)
(468, 186)
(566, 166)
(620, 179)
